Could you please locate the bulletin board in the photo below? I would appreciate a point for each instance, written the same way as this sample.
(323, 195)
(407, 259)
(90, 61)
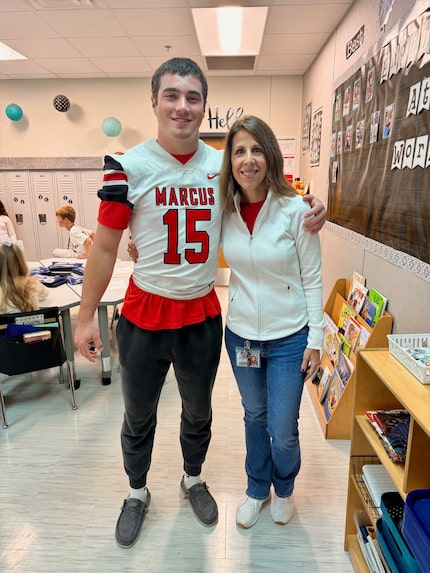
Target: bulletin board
(379, 179)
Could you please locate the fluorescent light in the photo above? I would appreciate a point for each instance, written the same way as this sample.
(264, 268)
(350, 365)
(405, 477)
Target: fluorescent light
(7, 53)
(229, 20)
(230, 30)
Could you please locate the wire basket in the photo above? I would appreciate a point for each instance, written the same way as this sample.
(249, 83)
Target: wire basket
(402, 347)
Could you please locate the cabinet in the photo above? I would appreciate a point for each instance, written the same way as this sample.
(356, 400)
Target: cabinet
(382, 382)
(339, 424)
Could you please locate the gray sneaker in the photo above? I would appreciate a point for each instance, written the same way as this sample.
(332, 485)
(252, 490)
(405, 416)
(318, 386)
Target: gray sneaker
(202, 503)
(130, 520)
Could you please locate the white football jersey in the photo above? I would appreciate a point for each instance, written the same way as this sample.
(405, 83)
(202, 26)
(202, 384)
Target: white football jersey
(176, 218)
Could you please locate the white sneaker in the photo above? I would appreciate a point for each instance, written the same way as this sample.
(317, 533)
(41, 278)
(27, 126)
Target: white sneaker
(248, 511)
(282, 509)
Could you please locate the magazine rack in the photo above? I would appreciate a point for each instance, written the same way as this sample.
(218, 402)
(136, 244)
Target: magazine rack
(382, 382)
(338, 426)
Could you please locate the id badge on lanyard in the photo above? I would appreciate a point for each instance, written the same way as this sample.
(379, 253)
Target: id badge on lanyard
(247, 356)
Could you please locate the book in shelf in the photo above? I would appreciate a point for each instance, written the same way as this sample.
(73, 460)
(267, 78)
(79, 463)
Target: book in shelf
(357, 280)
(336, 350)
(352, 332)
(345, 347)
(345, 368)
(392, 428)
(363, 338)
(379, 301)
(330, 331)
(324, 384)
(368, 312)
(345, 312)
(357, 297)
(335, 389)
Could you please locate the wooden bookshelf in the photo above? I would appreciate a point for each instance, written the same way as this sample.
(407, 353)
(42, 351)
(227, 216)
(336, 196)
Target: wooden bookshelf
(339, 424)
(383, 383)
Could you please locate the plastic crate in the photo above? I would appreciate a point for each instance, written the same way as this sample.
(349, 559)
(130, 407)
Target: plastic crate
(391, 540)
(399, 343)
(416, 526)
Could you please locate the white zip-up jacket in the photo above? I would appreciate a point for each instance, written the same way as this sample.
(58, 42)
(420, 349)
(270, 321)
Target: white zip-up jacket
(276, 277)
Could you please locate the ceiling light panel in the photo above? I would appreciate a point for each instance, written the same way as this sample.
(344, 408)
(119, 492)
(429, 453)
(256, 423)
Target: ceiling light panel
(247, 36)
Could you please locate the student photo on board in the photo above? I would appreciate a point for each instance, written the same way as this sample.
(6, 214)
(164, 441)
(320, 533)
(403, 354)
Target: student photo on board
(388, 120)
(374, 127)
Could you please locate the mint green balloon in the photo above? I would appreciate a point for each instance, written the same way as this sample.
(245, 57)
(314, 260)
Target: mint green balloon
(111, 126)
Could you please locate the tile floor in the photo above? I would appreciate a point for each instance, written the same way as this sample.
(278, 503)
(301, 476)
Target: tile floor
(62, 486)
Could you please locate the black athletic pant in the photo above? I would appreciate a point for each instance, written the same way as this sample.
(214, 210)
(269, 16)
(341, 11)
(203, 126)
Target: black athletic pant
(145, 358)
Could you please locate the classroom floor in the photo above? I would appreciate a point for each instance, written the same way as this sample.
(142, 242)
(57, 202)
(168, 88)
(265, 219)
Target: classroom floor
(62, 486)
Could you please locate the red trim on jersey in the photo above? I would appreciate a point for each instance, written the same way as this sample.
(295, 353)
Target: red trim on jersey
(114, 215)
(114, 176)
(184, 158)
(154, 312)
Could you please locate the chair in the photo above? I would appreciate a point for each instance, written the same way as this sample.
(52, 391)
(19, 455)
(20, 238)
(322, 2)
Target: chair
(18, 357)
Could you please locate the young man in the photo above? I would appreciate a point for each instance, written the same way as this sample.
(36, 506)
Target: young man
(166, 191)
(80, 239)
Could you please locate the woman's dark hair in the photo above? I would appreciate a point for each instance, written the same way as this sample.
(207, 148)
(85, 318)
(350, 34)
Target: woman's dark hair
(275, 179)
(3, 210)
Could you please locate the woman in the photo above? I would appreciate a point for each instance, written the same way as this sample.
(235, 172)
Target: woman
(7, 232)
(18, 291)
(274, 322)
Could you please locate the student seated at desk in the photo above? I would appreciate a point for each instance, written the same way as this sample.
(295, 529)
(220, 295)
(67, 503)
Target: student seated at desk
(80, 239)
(7, 231)
(19, 292)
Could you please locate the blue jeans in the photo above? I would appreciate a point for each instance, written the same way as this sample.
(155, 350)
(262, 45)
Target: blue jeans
(271, 397)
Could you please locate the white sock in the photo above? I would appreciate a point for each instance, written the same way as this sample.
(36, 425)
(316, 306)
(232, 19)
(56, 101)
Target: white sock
(189, 481)
(140, 493)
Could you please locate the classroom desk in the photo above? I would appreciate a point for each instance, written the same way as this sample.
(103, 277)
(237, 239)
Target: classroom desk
(64, 298)
(113, 295)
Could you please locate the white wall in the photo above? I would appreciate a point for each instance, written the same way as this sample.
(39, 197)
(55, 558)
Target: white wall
(45, 132)
(404, 280)
(46, 139)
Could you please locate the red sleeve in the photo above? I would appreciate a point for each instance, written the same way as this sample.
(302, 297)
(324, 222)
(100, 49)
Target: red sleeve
(114, 215)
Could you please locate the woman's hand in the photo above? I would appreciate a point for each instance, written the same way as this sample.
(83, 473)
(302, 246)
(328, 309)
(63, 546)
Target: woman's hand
(132, 251)
(311, 361)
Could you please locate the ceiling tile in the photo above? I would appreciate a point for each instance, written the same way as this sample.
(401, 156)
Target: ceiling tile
(128, 38)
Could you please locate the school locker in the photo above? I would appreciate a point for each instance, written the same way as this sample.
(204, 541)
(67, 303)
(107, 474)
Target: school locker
(48, 232)
(3, 194)
(91, 182)
(22, 211)
(67, 193)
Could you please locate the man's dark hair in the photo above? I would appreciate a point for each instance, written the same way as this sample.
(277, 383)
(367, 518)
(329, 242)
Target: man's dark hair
(180, 67)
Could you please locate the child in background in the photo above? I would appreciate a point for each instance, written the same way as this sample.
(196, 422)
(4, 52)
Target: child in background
(19, 292)
(7, 232)
(80, 239)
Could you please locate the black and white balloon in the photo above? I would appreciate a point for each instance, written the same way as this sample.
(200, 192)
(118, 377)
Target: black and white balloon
(61, 103)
